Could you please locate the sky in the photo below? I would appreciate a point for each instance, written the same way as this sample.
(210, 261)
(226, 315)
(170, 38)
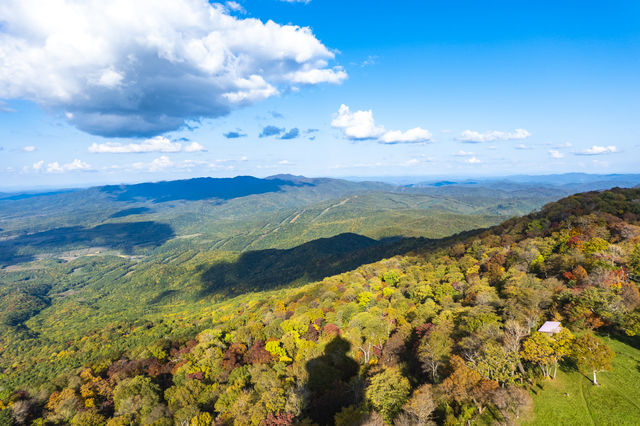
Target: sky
(98, 92)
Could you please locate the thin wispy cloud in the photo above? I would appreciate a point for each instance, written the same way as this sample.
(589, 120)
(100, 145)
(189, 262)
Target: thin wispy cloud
(4, 107)
(360, 125)
(56, 167)
(598, 150)
(472, 136)
(553, 153)
(523, 147)
(156, 144)
(187, 59)
(234, 6)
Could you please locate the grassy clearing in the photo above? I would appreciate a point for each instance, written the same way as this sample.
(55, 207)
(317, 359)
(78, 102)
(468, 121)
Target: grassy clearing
(572, 399)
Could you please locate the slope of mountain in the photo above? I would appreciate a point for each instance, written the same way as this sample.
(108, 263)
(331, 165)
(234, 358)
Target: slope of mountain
(237, 214)
(444, 332)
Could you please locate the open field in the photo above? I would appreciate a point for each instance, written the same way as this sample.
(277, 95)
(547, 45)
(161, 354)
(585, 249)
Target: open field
(573, 400)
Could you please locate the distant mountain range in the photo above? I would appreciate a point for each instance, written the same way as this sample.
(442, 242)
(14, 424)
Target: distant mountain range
(282, 211)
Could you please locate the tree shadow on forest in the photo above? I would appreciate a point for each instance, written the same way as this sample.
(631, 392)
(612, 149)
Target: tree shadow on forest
(333, 382)
(120, 236)
(265, 269)
(312, 261)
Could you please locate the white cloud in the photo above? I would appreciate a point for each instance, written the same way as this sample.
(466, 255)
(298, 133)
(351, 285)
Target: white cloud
(315, 76)
(284, 162)
(141, 68)
(157, 164)
(235, 7)
(155, 144)
(474, 160)
(357, 125)
(410, 136)
(564, 145)
(494, 135)
(553, 153)
(38, 165)
(462, 153)
(29, 148)
(194, 147)
(55, 167)
(598, 150)
(360, 125)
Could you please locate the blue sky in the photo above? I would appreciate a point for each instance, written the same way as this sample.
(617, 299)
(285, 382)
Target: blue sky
(424, 88)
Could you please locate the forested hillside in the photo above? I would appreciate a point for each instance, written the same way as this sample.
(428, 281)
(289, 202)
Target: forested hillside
(440, 331)
(243, 213)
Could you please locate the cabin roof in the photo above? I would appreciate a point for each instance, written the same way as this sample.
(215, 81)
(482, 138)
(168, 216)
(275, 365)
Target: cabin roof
(550, 327)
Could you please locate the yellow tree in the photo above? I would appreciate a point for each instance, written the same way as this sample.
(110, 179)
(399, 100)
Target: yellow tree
(547, 351)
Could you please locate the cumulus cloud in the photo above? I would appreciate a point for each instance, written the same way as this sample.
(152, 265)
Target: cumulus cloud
(194, 147)
(360, 125)
(494, 135)
(140, 68)
(155, 144)
(474, 160)
(554, 153)
(29, 148)
(271, 131)
(56, 167)
(462, 153)
(410, 136)
(598, 150)
(38, 165)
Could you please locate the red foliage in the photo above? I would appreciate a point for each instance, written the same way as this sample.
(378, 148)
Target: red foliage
(257, 354)
(330, 330)
(180, 352)
(575, 242)
(198, 375)
(280, 419)
(581, 274)
(234, 356)
(311, 334)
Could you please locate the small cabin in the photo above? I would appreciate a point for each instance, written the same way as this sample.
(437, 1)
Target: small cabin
(550, 328)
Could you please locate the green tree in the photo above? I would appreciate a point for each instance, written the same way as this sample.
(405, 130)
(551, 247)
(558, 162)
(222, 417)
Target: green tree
(387, 392)
(634, 260)
(138, 396)
(435, 349)
(592, 355)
